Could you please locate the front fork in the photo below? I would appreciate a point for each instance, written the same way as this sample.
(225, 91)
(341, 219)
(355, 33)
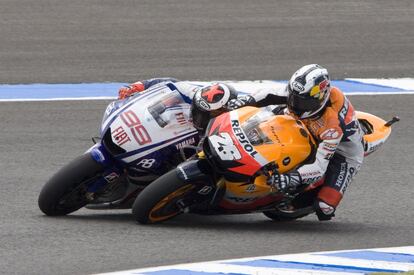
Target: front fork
(199, 173)
(112, 172)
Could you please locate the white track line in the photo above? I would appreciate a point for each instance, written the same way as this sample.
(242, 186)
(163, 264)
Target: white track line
(231, 266)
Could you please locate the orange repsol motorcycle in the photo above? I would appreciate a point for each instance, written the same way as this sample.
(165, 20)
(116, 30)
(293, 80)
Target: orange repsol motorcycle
(228, 174)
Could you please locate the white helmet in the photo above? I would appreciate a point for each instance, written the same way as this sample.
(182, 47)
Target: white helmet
(308, 91)
(209, 102)
(213, 97)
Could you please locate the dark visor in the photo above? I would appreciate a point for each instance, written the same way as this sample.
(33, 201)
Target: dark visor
(300, 104)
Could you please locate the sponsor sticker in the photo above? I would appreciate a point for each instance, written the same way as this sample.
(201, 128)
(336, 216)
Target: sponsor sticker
(205, 190)
(244, 143)
(185, 143)
(242, 138)
(319, 90)
(329, 146)
(203, 104)
(251, 188)
(224, 147)
(242, 200)
(138, 130)
(182, 172)
(180, 118)
(120, 136)
(330, 134)
(111, 177)
(297, 86)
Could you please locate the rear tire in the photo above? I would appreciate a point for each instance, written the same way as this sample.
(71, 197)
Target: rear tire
(65, 192)
(158, 201)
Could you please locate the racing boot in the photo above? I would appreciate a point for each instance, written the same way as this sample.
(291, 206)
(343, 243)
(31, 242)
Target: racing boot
(324, 211)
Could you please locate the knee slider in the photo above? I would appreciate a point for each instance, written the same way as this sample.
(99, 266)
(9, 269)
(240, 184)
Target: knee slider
(324, 211)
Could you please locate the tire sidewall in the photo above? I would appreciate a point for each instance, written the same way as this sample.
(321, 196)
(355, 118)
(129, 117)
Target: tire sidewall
(154, 193)
(65, 180)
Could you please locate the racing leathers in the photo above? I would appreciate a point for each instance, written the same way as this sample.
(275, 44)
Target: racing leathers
(339, 154)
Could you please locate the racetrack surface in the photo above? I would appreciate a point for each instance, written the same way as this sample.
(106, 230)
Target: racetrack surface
(52, 41)
(66, 41)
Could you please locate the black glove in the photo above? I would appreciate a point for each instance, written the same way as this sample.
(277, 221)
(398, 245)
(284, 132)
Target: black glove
(279, 109)
(285, 183)
(240, 101)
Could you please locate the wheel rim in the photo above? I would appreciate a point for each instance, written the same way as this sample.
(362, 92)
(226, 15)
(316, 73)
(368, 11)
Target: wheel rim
(167, 207)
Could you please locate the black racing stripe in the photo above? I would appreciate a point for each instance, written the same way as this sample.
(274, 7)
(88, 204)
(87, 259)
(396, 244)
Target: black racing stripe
(302, 79)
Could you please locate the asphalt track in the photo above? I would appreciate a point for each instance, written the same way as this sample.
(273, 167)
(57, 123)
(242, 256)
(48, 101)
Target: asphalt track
(93, 41)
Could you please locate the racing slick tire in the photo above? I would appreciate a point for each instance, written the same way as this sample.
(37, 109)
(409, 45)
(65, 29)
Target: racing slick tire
(65, 192)
(159, 201)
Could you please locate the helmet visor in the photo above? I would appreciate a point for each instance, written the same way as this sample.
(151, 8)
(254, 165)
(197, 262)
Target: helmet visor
(300, 104)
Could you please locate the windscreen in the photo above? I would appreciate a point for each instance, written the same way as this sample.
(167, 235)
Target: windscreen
(169, 107)
(252, 128)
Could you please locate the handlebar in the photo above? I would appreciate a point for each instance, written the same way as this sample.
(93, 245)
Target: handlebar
(270, 169)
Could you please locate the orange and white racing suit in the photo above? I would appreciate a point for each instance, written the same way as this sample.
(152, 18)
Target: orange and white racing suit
(340, 151)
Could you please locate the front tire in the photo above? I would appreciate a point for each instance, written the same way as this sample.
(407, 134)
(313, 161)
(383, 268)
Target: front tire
(159, 201)
(65, 192)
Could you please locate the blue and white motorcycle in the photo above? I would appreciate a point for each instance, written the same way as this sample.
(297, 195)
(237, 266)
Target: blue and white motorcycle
(142, 137)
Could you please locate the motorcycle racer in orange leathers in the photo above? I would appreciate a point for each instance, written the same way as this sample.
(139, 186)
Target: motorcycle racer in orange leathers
(330, 117)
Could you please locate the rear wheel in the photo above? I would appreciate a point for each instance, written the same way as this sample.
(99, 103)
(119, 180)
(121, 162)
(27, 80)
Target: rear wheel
(163, 199)
(65, 192)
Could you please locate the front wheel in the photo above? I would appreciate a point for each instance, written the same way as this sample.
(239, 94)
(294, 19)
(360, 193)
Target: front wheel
(163, 199)
(65, 192)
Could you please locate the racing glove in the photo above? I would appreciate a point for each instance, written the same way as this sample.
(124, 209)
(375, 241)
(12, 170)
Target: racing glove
(240, 101)
(285, 183)
(131, 89)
